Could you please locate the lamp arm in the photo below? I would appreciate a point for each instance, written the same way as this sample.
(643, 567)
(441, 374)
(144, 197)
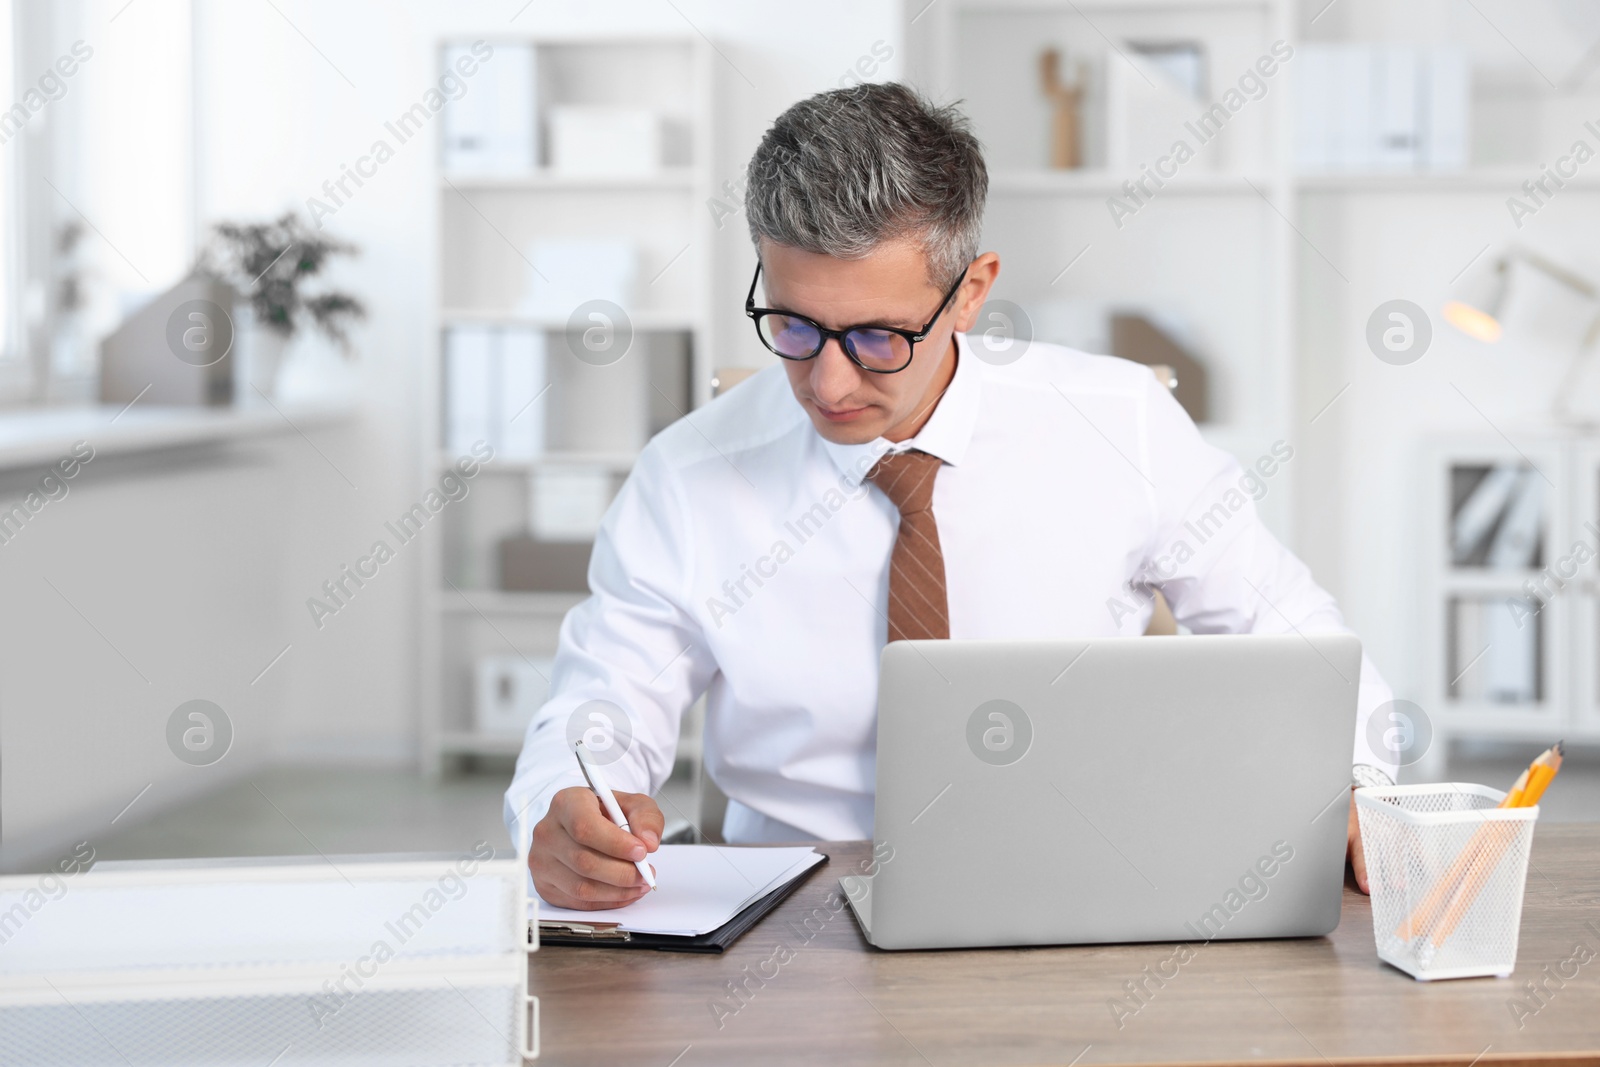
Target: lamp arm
(1576, 364)
(1576, 282)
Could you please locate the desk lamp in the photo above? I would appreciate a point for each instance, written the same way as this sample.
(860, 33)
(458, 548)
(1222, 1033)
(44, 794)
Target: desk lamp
(1481, 319)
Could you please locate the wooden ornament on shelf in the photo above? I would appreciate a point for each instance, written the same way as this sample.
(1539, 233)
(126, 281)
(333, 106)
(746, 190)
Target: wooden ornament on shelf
(1066, 129)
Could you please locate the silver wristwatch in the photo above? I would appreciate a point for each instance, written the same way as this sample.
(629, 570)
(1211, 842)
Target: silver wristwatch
(1366, 774)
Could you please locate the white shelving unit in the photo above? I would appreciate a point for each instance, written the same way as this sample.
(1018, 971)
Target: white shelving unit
(1241, 219)
(484, 227)
(1461, 661)
(1213, 245)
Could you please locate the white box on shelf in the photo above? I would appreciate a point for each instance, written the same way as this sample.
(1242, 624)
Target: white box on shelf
(1145, 113)
(569, 273)
(491, 128)
(509, 690)
(602, 140)
(568, 502)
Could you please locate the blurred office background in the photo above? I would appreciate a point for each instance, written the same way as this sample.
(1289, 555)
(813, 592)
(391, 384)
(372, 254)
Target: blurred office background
(273, 268)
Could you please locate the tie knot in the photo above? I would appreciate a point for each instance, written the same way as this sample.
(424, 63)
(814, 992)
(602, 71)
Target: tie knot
(906, 478)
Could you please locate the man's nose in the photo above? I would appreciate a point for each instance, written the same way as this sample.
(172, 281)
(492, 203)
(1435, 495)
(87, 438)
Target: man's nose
(833, 375)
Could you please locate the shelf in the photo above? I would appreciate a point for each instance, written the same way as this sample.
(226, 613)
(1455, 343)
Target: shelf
(501, 602)
(467, 743)
(618, 462)
(544, 180)
(39, 435)
(1106, 7)
(645, 320)
(1098, 183)
(1497, 180)
(1486, 580)
(1501, 181)
(1500, 720)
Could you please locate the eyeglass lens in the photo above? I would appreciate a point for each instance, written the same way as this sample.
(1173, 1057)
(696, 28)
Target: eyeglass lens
(797, 338)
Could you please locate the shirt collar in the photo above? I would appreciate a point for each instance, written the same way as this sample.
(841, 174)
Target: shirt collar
(946, 434)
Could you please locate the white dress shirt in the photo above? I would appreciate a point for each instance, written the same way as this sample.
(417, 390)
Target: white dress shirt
(746, 558)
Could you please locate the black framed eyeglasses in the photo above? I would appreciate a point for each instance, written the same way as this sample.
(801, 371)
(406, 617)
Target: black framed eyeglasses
(879, 349)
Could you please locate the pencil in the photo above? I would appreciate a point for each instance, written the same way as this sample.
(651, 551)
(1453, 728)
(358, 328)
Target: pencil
(1539, 774)
(1545, 768)
(1457, 888)
(1514, 797)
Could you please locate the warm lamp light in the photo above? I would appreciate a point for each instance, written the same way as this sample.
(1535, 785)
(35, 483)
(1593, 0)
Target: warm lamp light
(1474, 322)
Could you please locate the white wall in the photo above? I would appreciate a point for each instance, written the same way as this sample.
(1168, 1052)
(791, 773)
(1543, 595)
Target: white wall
(197, 565)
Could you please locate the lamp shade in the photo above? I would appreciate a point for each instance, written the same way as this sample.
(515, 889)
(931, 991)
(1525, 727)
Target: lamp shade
(1477, 309)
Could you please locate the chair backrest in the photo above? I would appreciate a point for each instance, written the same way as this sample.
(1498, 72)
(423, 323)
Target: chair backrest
(1162, 623)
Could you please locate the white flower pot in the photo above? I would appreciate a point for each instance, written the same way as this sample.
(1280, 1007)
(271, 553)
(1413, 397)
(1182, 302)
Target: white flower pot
(259, 354)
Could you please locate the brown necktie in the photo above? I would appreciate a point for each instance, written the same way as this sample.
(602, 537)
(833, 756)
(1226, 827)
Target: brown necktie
(918, 603)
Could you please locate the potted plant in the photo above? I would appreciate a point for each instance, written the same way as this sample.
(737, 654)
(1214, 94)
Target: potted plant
(269, 264)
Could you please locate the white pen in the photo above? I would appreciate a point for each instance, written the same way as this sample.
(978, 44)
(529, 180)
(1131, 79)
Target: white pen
(597, 781)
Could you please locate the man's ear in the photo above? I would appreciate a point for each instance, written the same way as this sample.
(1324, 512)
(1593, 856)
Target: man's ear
(975, 290)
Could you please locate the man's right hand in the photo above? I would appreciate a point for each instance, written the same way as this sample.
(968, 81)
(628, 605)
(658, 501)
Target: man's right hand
(580, 859)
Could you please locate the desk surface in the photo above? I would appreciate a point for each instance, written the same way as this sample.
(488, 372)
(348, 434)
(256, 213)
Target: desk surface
(833, 999)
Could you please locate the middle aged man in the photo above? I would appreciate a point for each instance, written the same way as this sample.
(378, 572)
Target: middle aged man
(882, 482)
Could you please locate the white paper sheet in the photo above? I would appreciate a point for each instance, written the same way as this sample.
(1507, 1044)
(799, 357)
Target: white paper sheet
(698, 888)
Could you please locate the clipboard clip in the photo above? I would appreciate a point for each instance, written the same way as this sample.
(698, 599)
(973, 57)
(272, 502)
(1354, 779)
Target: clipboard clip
(587, 931)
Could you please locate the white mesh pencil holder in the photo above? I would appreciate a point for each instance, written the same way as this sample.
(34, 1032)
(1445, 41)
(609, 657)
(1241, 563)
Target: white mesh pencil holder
(1447, 870)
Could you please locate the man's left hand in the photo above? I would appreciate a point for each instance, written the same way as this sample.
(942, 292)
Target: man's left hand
(1358, 858)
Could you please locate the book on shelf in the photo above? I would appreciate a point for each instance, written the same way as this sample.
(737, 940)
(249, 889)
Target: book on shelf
(1477, 515)
(495, 378)
(1384, 107)
(1511, 664)
(491, 128)
(1394, 129)
(1496, 654)
(1516, 542)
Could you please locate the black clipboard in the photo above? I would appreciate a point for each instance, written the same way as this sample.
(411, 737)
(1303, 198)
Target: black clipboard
(608, 936)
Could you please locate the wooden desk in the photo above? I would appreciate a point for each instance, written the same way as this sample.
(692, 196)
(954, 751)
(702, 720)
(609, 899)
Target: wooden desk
(834, 1000)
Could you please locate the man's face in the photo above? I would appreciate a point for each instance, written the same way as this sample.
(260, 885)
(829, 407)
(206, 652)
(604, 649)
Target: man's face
(890, 287)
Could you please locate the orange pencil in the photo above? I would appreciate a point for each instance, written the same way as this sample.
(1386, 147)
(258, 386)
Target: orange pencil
(1544, 770)
(1514, 797)
(1447, 889)
(1500, 836)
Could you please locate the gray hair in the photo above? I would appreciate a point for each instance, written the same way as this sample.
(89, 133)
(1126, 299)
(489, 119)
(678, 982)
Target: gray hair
(843, 171)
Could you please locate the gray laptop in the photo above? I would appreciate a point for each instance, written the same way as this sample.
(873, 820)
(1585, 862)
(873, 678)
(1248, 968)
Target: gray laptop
(1122, 789)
